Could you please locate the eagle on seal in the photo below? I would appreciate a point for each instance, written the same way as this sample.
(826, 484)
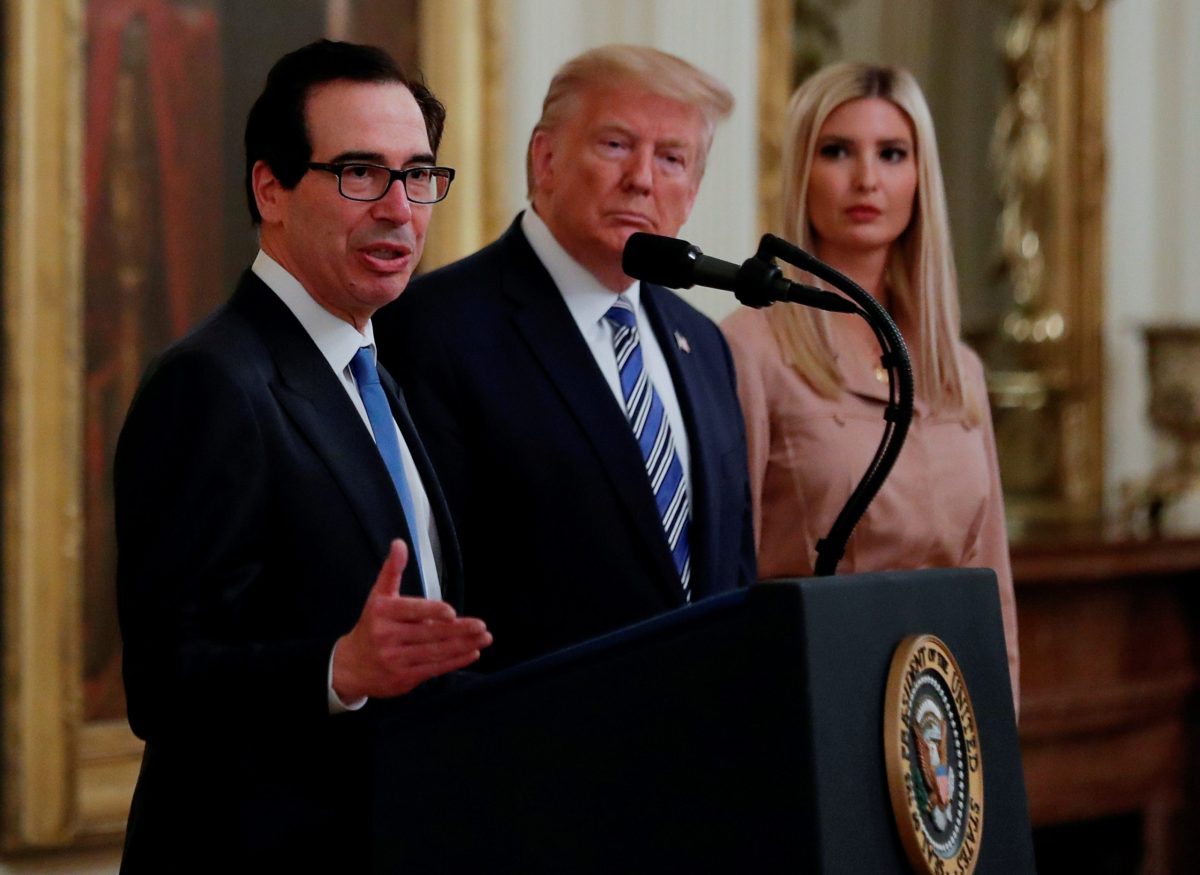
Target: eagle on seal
(930, 734)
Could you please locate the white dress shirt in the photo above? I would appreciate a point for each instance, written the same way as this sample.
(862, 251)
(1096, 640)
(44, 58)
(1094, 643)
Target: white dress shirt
(338, 341)
(588, 300)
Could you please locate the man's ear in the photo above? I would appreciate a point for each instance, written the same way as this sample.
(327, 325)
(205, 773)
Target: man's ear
(267, 191)
(541, 150)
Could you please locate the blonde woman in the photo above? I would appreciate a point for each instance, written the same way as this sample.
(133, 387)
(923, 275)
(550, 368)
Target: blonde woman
(863, 192)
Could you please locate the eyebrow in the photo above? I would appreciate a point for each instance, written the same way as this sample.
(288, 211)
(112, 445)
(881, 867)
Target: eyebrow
(614, 127)
(841, 140)
(377, 158)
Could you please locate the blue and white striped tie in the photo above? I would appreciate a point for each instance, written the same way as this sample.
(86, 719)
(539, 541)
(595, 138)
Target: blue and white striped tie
(648, 419)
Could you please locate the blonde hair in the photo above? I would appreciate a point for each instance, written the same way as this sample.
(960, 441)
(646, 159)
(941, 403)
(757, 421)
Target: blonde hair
(920, 265)
(650, 69)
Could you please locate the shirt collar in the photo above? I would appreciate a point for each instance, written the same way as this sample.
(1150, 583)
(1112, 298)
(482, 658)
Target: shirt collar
(585, 296)
(336, 338)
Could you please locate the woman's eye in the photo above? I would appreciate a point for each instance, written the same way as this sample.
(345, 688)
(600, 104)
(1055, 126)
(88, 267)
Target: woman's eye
(894, 155)
(833, 150)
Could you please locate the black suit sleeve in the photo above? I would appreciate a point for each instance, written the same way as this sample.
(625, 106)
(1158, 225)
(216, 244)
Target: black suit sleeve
(747, 567)
(193, 519)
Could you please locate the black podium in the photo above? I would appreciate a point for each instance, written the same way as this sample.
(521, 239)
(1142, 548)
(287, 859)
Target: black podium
(740, 734)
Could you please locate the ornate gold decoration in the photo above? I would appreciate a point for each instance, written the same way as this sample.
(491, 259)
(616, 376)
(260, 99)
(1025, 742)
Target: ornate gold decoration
(1045, 370)
(815, 37)
(1173, 366)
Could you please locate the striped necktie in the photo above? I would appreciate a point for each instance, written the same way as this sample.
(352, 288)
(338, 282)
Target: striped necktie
(648, 419)
(379, 412)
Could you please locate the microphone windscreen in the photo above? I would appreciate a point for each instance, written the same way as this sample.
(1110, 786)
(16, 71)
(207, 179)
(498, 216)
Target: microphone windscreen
(665, 261)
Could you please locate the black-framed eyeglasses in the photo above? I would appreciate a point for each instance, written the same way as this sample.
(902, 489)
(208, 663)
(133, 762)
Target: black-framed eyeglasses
(370, 182)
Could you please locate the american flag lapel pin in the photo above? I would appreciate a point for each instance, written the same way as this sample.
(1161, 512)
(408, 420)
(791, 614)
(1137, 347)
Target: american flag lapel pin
(682, 343)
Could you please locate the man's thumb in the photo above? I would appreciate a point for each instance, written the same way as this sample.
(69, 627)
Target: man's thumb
(388, 582)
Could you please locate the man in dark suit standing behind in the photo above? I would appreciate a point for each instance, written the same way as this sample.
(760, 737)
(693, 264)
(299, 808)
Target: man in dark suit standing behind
(580, 421)
(286, 559)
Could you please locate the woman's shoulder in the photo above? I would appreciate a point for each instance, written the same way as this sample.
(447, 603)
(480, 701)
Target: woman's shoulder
(747, 326)
(752, 341)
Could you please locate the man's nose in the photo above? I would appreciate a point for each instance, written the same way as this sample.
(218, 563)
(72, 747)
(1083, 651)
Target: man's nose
(639, 171)
(394, 206)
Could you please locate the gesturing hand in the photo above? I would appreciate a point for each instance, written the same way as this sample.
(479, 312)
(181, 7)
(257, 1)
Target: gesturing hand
(401, 641)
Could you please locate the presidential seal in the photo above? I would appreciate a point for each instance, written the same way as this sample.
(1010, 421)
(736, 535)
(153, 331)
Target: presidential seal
(934, 765)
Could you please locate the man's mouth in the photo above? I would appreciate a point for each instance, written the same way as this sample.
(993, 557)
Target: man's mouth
(630, 219)
(386, 256)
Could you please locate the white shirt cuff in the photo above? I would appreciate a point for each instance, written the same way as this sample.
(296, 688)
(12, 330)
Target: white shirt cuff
(336, 705)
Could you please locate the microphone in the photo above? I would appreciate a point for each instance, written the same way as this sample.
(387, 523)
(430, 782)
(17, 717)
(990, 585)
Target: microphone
(677, 264)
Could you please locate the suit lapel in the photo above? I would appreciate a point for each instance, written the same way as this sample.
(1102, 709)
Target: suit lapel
(690, 390)
(314, 400)
(543, 320)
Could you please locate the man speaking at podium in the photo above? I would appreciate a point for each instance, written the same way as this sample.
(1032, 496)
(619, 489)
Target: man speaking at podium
(286, 561)
(583, 423)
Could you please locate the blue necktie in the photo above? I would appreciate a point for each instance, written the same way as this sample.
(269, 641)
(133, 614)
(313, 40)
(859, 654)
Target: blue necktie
(648, 419)
(379, 412)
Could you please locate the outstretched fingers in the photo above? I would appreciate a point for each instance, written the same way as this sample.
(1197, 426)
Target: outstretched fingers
(402, 641)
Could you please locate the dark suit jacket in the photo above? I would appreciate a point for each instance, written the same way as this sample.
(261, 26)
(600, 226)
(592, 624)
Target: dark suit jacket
(253, 515)
(560, 535)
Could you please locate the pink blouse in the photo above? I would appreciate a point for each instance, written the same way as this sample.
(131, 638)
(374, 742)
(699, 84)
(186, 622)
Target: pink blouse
(941, 506)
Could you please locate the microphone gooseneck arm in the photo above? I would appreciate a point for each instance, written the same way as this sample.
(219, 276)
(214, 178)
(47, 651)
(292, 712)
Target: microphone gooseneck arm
(758, 283)
(897, 416)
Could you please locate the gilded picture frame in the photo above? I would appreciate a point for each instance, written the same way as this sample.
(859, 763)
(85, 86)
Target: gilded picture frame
(68, 781)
